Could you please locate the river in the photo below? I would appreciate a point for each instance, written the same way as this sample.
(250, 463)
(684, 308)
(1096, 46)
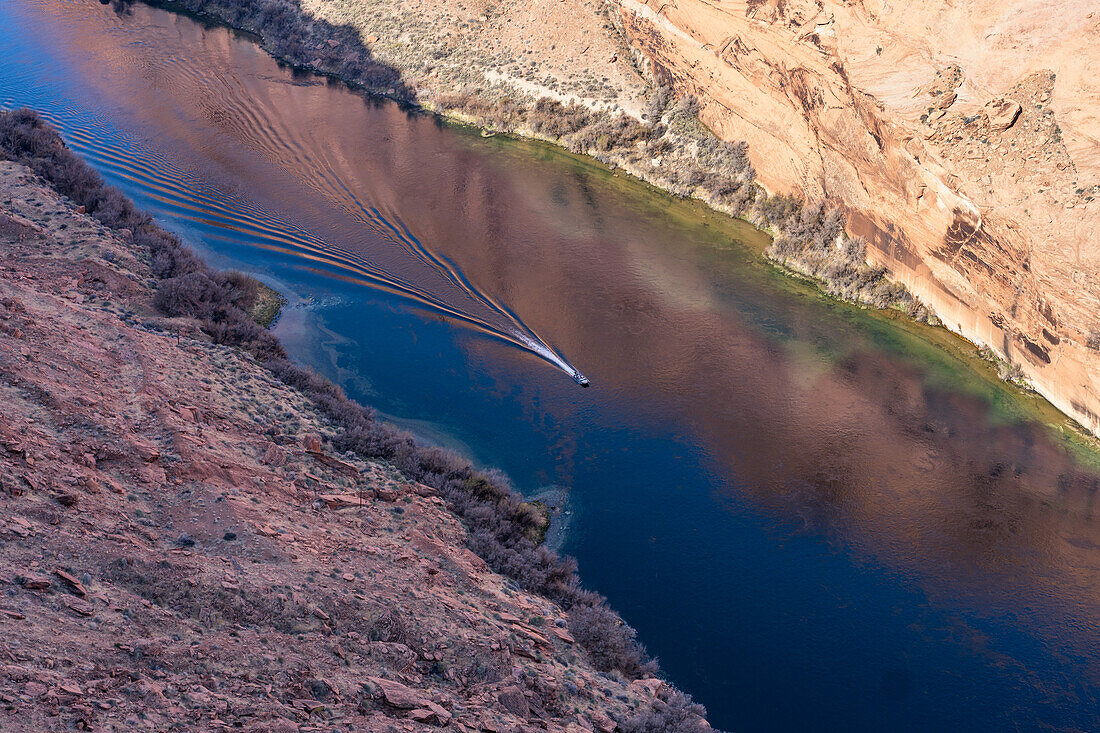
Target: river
(818, 517)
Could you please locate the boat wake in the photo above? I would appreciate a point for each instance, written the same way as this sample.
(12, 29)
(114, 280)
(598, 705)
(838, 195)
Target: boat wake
(168, 189)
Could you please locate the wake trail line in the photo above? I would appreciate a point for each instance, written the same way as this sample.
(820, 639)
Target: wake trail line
(184, 196)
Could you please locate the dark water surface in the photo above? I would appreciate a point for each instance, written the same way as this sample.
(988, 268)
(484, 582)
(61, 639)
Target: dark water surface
(817, 518)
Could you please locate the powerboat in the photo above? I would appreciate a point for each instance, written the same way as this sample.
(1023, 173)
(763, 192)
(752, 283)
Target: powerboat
(580, 379)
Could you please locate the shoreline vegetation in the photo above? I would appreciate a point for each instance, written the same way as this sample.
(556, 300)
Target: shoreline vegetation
(267, 304)
(502, 528)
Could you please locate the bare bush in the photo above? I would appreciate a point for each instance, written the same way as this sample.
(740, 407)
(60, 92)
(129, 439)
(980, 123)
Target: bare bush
(658, 102)
(195, 294)
(290, 33)
(810, 239)
(688, 108)
(611, 642)
(242, 290)
(677, 713)
(553, 119)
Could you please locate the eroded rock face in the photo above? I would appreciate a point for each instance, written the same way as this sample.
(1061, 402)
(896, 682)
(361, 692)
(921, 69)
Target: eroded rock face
(963, 139)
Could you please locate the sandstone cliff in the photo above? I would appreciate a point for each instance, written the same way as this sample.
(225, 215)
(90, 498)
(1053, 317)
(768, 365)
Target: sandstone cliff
(963, 139)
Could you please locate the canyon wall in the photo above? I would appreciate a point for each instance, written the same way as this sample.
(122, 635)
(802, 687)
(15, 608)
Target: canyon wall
(962, 138)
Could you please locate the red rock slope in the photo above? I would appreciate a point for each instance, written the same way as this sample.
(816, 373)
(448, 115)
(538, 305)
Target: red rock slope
(181, 548)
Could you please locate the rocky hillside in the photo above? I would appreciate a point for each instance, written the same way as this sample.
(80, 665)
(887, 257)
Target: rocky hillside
(961, 138)
(187, 543)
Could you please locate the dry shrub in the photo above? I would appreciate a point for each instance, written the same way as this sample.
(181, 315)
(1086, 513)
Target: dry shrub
(294, 35)
(676, 713)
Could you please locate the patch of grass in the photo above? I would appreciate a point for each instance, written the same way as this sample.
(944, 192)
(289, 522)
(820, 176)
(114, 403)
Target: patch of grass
(541, 524)
(269, 304)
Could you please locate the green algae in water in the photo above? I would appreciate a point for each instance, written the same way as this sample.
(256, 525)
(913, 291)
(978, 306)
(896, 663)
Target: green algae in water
(946, 361)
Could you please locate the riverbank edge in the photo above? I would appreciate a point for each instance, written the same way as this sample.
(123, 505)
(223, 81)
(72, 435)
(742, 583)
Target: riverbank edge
(787, 261)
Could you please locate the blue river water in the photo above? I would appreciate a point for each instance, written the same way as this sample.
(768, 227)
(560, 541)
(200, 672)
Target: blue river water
(817, 517)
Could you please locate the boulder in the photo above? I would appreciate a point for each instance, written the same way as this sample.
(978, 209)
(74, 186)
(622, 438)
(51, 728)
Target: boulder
(35, 689)
(1003, 113)
(33, 581)
(562, 634)
(424, 491)
(650, 687)
(442, 716)
(336, 463)
(274, 455)
(75, 585)
(385, 493)
(340, 501)
(602, 722)
(512, 699)
(391, 654)
(70, 688)
(431, 713)
(398, 695)
(146, 451)
(310, 706)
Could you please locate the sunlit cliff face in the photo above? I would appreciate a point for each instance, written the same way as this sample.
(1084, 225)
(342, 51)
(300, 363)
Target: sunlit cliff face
(962, 139)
